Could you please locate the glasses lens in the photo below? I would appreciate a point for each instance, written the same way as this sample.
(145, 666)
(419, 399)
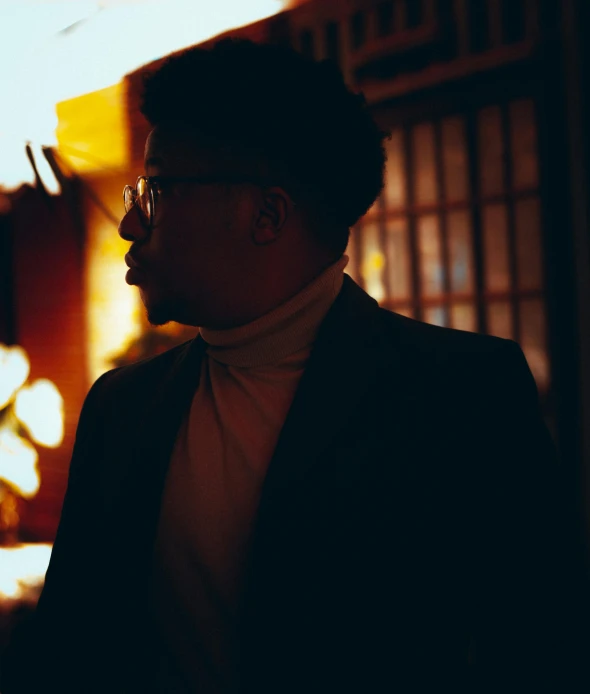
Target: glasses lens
(128, 197)
(144, 198)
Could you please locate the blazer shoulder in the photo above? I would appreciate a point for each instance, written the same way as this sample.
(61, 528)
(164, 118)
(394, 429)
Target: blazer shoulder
(426, 338)
(456, 361)
(141, 374)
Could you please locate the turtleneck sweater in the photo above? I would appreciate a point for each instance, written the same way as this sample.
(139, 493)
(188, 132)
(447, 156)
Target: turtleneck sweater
(249, 377)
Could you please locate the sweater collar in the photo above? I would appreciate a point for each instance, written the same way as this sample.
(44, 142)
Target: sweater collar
(284, 331)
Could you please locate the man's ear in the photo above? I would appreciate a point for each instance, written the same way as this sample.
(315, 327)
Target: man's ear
(273, 211)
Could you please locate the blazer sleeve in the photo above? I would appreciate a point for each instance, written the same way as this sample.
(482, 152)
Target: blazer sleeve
(531, 614)
(53, 649)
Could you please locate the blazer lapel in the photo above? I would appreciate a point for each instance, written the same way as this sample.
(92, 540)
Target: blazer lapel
(151, 445)
(343, 367)
(137, 508)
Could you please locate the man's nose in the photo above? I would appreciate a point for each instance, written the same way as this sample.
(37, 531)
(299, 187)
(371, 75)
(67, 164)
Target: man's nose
(130, 227)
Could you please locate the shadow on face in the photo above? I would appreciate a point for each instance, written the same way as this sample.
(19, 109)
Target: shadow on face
(217, 254)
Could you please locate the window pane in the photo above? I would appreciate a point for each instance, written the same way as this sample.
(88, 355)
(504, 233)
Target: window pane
(425, 188)
(460, 251)
(429, 248)
(495, 242)
(454, 159)
(523, 135)
(437, 315)
(491, 151)
(398, 258)
(499, 317)
(533, 339)
(407, 311)
(373, 261)
(375, 208)
(395, 174)
(528, 243)
(463, 317)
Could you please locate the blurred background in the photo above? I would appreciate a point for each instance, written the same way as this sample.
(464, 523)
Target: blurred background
(482, 224)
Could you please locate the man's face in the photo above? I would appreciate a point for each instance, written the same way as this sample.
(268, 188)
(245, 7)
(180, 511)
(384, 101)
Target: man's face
(194, 260)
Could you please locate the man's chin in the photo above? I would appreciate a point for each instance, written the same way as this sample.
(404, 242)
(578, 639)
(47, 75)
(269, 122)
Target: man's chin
(158, 316)
(157, 312)
(156, 320)
(160, 313)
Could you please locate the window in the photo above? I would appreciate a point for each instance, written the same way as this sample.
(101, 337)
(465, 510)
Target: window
(455, 238)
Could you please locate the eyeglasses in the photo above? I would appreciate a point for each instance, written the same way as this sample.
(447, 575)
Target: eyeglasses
(147, 189)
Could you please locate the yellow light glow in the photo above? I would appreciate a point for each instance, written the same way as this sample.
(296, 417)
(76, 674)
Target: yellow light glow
(92, 130)
(114, 308)
(372, 271)
(40, 408)
(14, 371)
(23, 568)
(18, 464)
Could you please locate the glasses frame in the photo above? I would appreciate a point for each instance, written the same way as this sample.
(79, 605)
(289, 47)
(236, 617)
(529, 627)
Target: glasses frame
(152, 181)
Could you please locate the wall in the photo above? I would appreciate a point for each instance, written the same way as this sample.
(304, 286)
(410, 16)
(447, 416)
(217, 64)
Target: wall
(49, 323)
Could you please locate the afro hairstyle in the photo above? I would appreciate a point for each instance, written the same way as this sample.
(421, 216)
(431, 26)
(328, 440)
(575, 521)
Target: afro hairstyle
(316, 137)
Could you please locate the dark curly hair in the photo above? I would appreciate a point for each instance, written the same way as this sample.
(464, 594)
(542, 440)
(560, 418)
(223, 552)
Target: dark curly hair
(315, 136)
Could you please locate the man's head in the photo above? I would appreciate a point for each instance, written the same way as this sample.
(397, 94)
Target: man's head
(279, 159)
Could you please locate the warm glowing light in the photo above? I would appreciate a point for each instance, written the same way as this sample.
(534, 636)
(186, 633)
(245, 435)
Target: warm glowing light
(40, 409)
(60, 50)
(14, 371)
(372, 271)
(23, 568)
(18, 464)
(92, 131)
(110, 301)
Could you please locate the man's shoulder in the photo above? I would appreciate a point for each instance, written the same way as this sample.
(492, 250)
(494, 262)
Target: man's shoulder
(449, 369)
(433, 341)
(144, 373)
(453, 363)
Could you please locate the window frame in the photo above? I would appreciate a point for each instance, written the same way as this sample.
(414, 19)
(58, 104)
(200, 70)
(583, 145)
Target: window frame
(435, 110)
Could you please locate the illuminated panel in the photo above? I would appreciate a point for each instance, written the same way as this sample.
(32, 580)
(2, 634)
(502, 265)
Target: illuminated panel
(113, 308)
(92, 130)
(93, 138)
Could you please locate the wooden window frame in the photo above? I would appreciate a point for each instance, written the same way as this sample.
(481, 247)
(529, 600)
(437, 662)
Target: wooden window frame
(480, 297)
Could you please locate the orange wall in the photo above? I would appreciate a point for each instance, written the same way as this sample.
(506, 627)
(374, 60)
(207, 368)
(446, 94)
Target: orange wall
(50, 325)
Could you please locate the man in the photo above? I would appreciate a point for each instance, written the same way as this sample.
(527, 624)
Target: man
(316, 494)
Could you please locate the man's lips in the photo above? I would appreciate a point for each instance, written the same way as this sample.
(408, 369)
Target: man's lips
(135, 273)
(131, 262)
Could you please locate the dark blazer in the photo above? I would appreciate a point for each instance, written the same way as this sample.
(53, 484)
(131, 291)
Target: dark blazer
(414, 532)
